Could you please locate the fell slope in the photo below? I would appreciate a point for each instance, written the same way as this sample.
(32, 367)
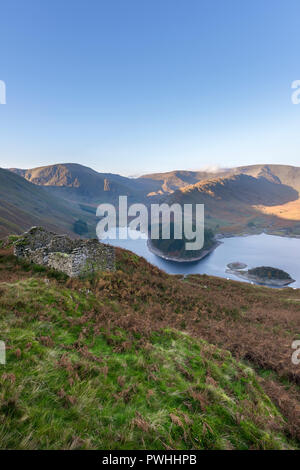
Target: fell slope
(281, 174)
(23, 204)
(234, 201)
(263, 197)
(173, 180)
(284, 174)
(242, 189)
(122, 361)
(77, 182)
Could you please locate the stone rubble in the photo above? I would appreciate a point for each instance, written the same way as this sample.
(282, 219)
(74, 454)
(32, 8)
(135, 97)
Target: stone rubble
(73, 257)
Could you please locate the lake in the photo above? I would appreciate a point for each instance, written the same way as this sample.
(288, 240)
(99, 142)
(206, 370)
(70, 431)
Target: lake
(254, 250)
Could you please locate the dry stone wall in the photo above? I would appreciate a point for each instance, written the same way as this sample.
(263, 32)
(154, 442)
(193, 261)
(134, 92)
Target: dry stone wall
(73, 257)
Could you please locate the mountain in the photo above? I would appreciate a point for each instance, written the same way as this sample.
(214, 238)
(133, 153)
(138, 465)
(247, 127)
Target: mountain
(173, 180)
(260, 196)
(240, 188)
(87, 184)
(241, 204)
(79, 183)
(23, 204)
(284, 174)
(235, 201)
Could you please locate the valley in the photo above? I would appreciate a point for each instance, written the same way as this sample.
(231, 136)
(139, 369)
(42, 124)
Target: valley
(239, 201)
(249, 199)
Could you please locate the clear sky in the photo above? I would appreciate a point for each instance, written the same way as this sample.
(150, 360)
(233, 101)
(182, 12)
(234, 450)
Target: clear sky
(135, 86)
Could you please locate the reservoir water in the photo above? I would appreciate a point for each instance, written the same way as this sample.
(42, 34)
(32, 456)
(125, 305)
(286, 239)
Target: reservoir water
(254, 250)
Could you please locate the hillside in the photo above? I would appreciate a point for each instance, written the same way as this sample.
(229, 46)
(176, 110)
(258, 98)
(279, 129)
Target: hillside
(173, 180)
(234, 202)
(242, 189)
(125, 361)
(23, 204)
(287, 175)
(284, 174)
(77, 182)
(237, 200)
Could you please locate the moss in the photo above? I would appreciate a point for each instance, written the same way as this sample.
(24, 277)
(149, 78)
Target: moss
(58, 255)
(12, 240)
(90, 268)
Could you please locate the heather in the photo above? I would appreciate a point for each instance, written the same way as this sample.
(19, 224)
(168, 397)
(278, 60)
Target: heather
(140, 359)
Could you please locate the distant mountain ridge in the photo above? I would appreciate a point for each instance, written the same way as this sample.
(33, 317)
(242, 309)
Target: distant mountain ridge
(73, 175)
(243, 189)
(84, 183)
(234, 198)
(284, 174)
(173, 180)
(232, 201)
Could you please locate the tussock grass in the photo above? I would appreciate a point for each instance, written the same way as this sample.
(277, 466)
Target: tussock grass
(124, 360)
(75, 380)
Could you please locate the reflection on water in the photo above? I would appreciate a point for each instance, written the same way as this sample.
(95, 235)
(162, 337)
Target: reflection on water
(254, 250)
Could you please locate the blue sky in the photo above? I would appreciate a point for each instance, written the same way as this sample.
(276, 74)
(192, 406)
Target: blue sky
(137, 86)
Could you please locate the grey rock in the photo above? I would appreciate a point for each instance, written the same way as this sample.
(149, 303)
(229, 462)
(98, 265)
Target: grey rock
(73, 257)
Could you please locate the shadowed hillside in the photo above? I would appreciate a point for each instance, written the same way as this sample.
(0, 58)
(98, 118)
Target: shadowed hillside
(238, 200)
(233, 201)
(173, 180)
(23, 204)
(285, 174)
(242, 189)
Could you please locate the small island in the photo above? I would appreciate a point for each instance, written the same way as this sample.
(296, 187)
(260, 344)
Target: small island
(236, 265)
(263, 275)
(174, 249)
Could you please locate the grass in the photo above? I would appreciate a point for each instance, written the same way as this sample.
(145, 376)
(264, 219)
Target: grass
(100, 364)
(172, 392)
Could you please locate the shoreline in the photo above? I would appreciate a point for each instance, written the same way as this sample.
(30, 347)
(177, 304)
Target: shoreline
(205, 253)
(219, 236)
